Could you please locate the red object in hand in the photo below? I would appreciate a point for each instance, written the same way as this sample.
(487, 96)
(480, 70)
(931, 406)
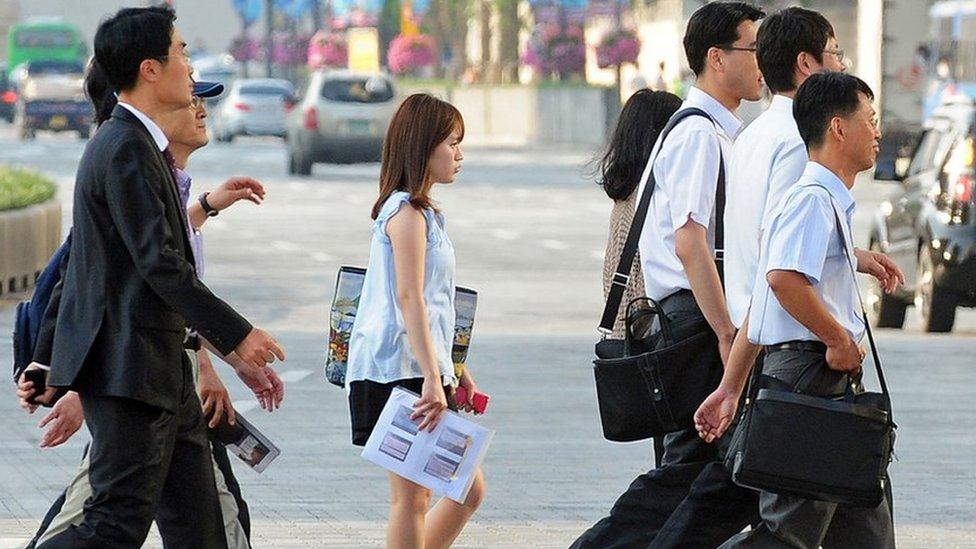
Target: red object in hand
(480, 403)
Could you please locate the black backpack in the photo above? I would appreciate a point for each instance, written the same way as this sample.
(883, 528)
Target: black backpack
(27, 322)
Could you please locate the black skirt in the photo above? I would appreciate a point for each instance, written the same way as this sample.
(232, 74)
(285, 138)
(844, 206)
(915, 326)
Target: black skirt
(367, 399)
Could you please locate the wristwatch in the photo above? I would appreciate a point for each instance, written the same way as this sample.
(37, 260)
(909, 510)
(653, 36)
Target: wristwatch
(207, 208)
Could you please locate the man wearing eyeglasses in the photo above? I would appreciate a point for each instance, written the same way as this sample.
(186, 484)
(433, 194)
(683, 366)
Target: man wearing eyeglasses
(187, 132)
(129, 291)
(678, 251)
(768, 159)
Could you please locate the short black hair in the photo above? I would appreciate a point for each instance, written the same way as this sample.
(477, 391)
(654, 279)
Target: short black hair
(126, 39)
(782, 37)
(821, 98)
(715, 25)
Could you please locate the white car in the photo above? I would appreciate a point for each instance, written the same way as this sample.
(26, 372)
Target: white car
(254, 106)
(342, 118)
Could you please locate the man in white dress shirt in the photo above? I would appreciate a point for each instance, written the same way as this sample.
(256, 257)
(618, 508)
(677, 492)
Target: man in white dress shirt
(805, 309)
(677, 248)
(768, 158)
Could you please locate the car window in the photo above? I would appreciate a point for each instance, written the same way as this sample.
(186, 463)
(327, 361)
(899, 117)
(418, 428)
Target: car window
(357, 90)
(54, 67)
(933, 142)
(924, 153)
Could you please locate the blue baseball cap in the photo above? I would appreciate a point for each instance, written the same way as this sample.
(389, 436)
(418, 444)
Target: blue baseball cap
(207, 89)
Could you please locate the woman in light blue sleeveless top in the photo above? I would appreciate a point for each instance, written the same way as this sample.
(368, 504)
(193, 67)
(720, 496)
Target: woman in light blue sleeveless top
(404, 327)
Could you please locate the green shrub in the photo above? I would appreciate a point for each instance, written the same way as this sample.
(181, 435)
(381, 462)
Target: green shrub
(21, 188)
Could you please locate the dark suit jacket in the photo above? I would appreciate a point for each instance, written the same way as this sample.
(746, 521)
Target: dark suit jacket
(116, 323)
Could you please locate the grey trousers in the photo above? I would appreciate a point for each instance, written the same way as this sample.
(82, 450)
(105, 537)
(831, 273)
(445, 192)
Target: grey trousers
(792, 522)
(73, 513)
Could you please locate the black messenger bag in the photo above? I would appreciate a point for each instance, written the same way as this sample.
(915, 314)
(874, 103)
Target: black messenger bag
(647, 384)
(815, 447)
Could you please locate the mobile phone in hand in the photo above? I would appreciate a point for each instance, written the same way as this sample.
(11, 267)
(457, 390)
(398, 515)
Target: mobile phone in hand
(39, 378)
(480, 401)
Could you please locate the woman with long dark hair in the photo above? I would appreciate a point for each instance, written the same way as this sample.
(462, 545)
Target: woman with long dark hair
(619, 171)
(404, 327)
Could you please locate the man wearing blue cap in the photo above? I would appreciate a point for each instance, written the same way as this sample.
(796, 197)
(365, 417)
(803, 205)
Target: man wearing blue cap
(187, 132)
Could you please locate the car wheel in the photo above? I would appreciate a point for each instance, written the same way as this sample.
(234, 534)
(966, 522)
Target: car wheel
(884, 311)
(936, 306)
(27, 134)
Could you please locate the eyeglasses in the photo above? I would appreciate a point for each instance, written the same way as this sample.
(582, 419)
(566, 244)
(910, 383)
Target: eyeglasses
(196, 101)
(737, 48)
(185, 53)
(839, 54)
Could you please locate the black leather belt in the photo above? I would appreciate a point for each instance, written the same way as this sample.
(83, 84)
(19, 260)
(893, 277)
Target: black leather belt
(797, 345)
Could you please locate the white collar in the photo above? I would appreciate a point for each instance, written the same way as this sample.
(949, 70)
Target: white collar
(781, 103)
(729, 123)
(154, 130)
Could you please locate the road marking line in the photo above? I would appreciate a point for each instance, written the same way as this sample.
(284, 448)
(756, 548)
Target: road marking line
(554, 244)
(286, 246)
(504, 234)
(322, 257)
(597, 254)
(295, 375)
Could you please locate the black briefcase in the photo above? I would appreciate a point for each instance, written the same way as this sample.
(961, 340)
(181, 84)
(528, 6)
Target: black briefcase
(815, 447)
(648, 384)
(656, 392)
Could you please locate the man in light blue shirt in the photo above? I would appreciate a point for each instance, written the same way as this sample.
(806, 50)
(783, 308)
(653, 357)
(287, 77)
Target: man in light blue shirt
(805, 308)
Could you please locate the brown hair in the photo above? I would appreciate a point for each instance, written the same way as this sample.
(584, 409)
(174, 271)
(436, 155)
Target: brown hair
(420, 124)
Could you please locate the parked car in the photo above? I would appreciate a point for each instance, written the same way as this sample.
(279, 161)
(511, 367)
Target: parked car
(8, 95)
(929, 226)
(254, 106)
(343, 117)
(52, 98)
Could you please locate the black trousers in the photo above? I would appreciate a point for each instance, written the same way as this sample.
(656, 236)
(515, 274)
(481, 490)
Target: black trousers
(690, 499)
(146, 464)
(223, 463)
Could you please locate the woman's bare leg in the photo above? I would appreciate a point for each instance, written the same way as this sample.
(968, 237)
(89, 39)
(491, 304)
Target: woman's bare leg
(408, 506)
(448, 517)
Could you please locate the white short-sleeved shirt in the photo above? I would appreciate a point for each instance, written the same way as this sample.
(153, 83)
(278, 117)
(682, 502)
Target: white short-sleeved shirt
(686, 174)
(803, 238)
(768, 157)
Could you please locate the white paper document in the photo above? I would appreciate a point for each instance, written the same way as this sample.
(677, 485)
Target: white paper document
(443, 460)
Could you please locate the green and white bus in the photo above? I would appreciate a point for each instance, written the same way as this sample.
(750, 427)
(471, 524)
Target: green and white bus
(44, 40)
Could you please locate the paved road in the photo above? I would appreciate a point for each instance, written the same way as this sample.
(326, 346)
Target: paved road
(529, 232)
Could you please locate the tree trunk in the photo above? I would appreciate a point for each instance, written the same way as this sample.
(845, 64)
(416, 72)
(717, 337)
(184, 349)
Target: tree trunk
(508, 50)
(485, 23)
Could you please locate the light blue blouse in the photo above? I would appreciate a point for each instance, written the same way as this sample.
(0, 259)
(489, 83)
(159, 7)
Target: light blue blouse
(378, 346)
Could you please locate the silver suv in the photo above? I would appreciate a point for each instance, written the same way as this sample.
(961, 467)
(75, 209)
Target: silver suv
(342, 118)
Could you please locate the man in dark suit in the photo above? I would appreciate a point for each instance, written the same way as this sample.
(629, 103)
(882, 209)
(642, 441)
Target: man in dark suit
(128, 296)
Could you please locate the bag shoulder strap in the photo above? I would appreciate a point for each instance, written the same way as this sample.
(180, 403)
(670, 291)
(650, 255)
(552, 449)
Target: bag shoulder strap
(849, 254)
(621, 277)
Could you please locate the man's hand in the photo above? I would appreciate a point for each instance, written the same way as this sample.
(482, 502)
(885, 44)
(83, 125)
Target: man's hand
(259, 349)
(234, 189)
(264, 382)
(63, 421)
(880, 267)
(845, 357)
(716, 413)
(25, 390)
(213, 394)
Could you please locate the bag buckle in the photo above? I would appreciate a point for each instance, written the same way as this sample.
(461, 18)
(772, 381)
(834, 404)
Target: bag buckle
(620, 279)
(719, 255)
